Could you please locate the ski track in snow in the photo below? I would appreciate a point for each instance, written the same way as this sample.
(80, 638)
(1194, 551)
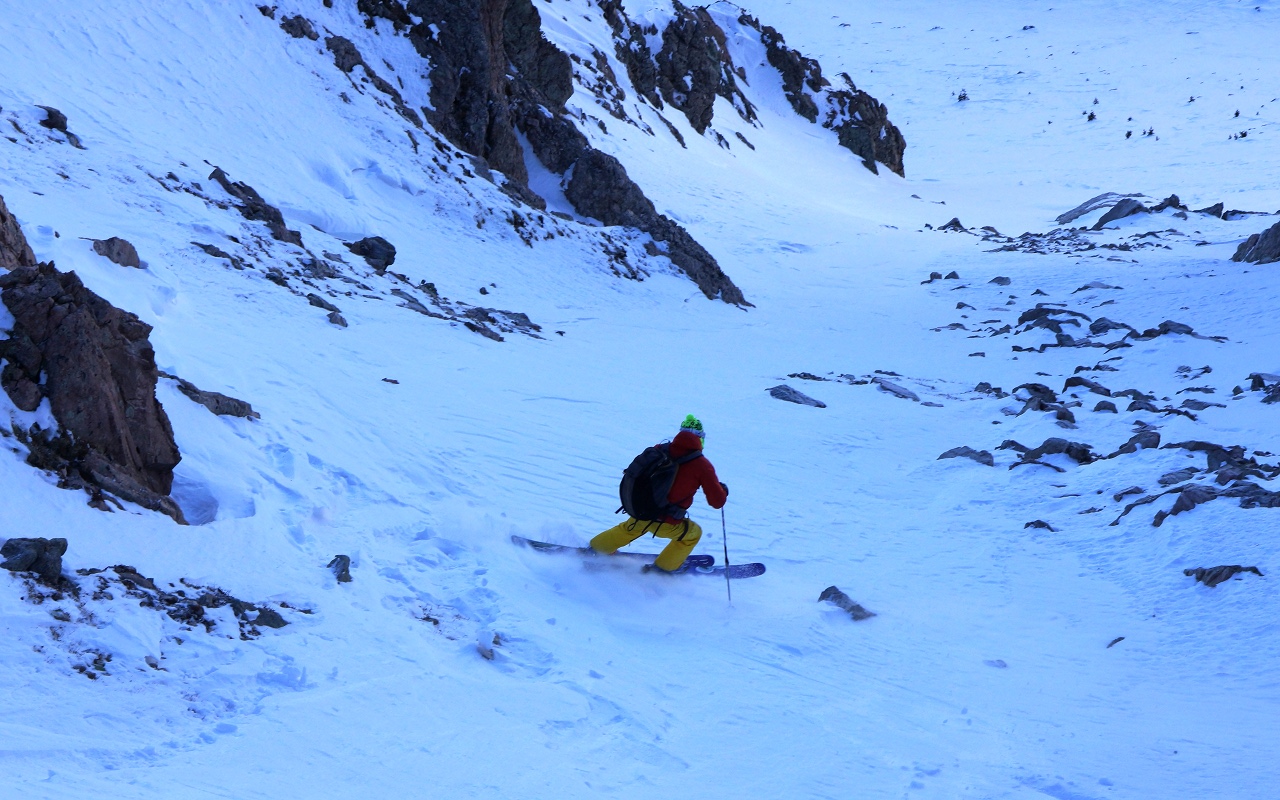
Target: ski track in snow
(986, 672)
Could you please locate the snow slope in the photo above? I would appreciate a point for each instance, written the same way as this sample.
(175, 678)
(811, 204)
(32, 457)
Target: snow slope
(987, 672)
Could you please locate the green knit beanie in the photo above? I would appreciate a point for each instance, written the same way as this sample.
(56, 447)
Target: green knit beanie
(694, 426)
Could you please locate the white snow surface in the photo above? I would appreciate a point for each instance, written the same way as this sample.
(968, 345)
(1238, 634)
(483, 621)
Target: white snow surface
(986, 672)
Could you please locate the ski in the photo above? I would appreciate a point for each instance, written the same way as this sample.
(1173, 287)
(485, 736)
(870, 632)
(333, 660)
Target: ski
(698, 561)
(736, 571)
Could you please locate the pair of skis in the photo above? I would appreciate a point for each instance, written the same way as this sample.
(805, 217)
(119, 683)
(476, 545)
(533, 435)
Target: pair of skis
(696, 564)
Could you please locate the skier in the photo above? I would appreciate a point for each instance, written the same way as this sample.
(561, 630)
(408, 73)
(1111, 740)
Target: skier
(695, 471)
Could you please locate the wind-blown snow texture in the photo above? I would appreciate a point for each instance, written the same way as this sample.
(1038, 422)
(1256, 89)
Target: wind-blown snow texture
(456, 665)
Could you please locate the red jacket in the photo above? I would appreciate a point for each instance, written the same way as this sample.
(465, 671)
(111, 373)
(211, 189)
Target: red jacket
(694, 475)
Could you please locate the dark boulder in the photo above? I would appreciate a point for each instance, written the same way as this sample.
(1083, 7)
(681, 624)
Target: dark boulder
(38, 555)
(833, 595)
(299, 27)
(376, 252)
(95, 365)
(1076, 451)
(1125, 208)
(785, 392)
(1260, 248)
(14, 250)
(1142, 440)
(218, 403)
(54, 119)
(1106, 405)
(253, 207)
(1212, 576)
(341, 566)
(118, 251)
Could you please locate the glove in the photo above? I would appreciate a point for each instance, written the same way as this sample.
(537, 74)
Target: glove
(725, 486)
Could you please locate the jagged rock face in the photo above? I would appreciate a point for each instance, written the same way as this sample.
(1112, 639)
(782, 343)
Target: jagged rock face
(860, 121)
(99, 373)
(1260, 248)
(494, 71)
(632, 48)
(469, 77)
(14, 250)
(694, 68)
(601, 188)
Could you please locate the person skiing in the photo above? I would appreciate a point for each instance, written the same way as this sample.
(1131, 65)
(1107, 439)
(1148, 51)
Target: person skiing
(694, 472)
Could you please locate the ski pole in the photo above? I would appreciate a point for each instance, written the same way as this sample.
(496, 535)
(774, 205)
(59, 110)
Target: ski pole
(724, 532)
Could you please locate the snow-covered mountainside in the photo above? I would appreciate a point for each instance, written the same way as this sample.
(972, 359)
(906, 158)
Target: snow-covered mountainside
(309, 307)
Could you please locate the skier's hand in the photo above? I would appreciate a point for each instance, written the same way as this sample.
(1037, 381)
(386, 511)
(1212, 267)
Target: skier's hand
(725, 486)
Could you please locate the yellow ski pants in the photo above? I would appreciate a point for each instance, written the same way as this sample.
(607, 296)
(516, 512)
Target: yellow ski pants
(672, 556)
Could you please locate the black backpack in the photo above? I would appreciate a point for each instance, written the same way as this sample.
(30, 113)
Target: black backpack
(647, 482)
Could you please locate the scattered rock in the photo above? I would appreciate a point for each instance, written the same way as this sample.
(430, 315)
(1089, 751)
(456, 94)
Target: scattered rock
(1092, 386)
(953, 224)
(54, 119)
(1118, 639)
(1188, 498)
(1076, 451)
(1096, 285)
(1212, 576)
(1039, 523)
(833, 595)
(95, 364)
(341, 566)
(187, 605)
(1260, 248)
(218, 403)
(894, 389)
(337, 319)
(38, 555)
(253, 207)
(785, 392)
(1106, 405)
(1178, 476)
(1092, 204)
(1142, 440)
(981, 456)
(118, 251)
(1118, 496)
(319, 302)
(1000, 280)
(299, 27)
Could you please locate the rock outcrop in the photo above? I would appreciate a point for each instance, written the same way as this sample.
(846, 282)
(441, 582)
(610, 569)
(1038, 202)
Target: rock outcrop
(1260, 248)
(694, 67)
(253, 207)
(493, 73)
(860, 121)
(95, 365)
(14, 250)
